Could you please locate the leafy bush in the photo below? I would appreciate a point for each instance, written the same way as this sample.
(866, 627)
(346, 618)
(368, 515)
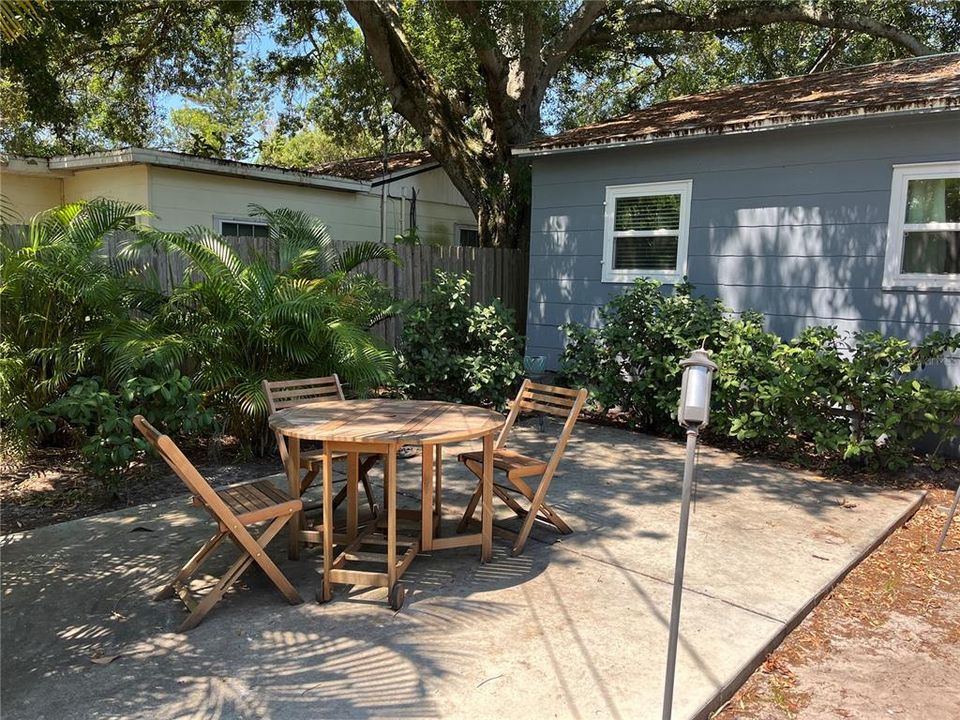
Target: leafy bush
(825, 396)
(102, 419)
(843, 397)
(455, 350)
(302, 309)
(632, 360)
(58, 293)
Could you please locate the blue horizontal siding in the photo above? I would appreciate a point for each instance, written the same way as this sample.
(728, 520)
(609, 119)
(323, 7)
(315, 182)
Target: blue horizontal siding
(791, 222)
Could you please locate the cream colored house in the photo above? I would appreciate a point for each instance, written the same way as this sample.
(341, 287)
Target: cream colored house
(185, 190)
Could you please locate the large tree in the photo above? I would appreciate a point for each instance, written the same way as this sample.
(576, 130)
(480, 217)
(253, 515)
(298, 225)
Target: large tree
(469, 79)
(521, 49)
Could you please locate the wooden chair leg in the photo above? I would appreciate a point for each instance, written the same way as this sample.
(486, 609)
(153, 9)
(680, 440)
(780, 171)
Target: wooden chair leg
(216, 593)
(471, 509)
(340, 496)
(438, 490)
(191, 566)
(509, 501)
(365, 468)
(527, 526)
(237, 569)
(270, 567)
(308, 479)
(556, 520)
(548, 513)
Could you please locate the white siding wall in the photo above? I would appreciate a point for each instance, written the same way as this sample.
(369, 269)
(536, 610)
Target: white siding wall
(127, 183)
(182, 199)
(440, 208)
(29, 194)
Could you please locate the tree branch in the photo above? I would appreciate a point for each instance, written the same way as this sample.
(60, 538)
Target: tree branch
(563, 44)
(744, 15)
(497, 71)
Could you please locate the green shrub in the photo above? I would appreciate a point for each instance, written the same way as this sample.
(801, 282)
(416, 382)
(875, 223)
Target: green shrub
(455, 350)
(853, 397)
(824, 397)
(301, 310)
(632, 360)
(102, 419)
(58, 293)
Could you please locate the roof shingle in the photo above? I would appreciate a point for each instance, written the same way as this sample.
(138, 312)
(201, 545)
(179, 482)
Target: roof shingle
(371, 168)
(931, 82)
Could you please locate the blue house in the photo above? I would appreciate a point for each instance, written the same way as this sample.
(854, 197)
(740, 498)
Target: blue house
(824, 199)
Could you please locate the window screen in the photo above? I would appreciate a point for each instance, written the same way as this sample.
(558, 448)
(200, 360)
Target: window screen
(468, 237)
(230, 228)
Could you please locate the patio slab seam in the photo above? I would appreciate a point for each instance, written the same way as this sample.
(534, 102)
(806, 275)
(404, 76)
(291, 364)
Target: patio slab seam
(740, 677)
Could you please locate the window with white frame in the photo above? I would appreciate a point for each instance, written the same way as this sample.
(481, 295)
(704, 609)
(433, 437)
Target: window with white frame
(923, 242)
(645, 231)
(229, 227)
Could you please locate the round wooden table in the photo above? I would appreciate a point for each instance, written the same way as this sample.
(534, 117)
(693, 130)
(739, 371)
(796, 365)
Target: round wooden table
(380, 427)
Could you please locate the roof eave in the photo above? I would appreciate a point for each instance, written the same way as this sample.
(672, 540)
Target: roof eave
(760, 127)
(229, 168)
(379, 180)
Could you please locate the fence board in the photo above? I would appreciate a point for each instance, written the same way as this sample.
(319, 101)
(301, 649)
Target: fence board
(497, 272)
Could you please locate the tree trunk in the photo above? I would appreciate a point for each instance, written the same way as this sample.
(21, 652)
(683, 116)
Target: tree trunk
(495, 184)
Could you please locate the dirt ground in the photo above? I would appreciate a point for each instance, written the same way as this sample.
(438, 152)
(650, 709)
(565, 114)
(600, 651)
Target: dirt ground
(884, 644)
(50, 487)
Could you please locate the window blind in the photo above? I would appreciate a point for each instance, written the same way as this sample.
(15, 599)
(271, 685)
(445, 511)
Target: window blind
(645, 253)
(647, 213)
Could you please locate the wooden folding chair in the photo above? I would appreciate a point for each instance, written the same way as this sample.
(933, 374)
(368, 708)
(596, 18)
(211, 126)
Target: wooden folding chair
(234, 508)
(289, 393)
(521, 469)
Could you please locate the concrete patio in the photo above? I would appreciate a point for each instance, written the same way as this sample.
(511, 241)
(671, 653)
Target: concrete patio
(575, 627)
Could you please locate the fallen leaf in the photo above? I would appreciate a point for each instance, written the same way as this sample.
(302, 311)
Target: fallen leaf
(104, 659)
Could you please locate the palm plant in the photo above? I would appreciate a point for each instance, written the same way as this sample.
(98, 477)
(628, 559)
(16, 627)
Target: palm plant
(301, 309)
(57, 292)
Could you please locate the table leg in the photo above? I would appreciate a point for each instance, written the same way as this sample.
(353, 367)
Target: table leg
(486, 519)
(426, 499)
(353, 482)
(390, 486)
(293, 487)
(438, 510)
(325, 592)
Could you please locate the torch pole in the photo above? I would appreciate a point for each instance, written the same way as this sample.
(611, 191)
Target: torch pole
(688, 469)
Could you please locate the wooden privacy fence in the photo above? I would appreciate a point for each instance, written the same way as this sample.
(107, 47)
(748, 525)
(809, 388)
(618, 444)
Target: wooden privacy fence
(497, 272)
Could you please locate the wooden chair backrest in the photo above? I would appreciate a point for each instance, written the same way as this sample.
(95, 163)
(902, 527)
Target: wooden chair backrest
(288, 393)
(184, 469)
(553, 400)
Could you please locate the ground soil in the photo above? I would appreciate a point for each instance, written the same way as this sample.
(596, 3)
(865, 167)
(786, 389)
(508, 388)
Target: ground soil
(885, 643)
(51, 486)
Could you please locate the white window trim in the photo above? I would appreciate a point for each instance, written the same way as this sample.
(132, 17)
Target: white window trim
(219, 220)
(684, 188)
(893, 278)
